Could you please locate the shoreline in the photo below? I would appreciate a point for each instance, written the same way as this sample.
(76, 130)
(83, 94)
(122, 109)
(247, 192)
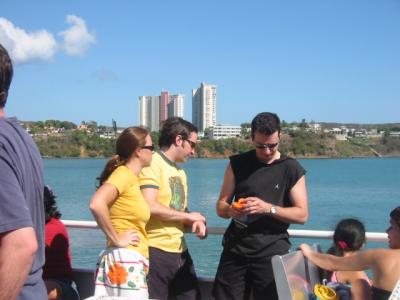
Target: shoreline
(226, 157)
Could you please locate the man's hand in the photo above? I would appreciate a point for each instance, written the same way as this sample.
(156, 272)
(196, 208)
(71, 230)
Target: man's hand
(255, 205)
(194, 217)
(199, 227)
(236, 213)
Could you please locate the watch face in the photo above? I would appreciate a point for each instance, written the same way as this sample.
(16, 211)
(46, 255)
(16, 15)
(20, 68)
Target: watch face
(273, 210)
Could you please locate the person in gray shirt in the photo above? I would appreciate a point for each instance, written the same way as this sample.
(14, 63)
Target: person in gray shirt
(21, 204)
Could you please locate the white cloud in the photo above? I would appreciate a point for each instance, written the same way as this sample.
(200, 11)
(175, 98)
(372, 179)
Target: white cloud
(77, 38)
(26, 46)
(40, 45)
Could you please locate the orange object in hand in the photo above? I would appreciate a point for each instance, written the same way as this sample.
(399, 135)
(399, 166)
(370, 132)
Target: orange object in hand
(239, 204)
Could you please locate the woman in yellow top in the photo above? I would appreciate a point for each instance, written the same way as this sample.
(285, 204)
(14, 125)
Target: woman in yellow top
(122, 213)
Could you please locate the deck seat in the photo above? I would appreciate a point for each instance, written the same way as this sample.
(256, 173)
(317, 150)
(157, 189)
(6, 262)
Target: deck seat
(295, 276)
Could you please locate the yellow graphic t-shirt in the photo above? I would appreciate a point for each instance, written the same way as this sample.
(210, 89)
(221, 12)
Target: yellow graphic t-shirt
(170, 180)
(130, 210)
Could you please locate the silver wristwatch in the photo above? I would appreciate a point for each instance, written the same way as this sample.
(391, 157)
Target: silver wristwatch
(272, 210)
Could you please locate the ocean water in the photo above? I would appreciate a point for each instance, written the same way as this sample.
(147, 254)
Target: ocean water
(364, 188)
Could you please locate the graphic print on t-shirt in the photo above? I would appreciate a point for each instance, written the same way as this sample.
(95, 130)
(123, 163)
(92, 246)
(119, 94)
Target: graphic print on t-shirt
(177, 193)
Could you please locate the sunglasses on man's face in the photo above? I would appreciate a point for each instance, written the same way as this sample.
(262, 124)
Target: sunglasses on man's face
(264, 146)
(191, 143)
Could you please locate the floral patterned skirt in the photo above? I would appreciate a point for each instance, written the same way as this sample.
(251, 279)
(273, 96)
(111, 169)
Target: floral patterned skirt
(121, 272)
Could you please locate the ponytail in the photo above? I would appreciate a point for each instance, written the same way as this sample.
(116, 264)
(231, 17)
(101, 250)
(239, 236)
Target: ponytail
(110, 166)
(128, 141)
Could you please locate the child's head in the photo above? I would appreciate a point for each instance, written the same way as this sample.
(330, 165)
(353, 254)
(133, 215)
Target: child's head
(395, 215)
(394, 229)
(349, 236)
(50, 206)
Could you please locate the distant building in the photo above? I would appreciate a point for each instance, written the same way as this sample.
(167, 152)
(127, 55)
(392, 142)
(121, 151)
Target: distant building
(145, 111)
(107, 135)
(163, 110)
(204, 106)
(153, 110)
(394, 133)
(176, 105)
(314, 127)
(83, 127)
(224, 131)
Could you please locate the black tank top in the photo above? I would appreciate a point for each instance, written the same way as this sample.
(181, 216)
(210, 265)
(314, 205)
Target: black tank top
(272, 183)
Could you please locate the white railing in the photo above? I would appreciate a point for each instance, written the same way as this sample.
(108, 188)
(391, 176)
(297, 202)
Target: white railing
(294, 233)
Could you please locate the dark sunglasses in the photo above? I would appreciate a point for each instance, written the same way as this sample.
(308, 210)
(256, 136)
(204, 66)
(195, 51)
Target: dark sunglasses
(150, 147)
(264, 146)
(191, 143)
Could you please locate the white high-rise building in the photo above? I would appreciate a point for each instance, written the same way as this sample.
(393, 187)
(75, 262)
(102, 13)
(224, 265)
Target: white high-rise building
(176, 105)
(155, 109)
(149, 112)
(204, 106)
(145, 111)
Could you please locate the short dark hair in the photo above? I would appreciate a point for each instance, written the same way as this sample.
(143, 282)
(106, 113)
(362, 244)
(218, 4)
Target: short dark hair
(6, 74)
(395, 215)
(172, 127)
(266, 123)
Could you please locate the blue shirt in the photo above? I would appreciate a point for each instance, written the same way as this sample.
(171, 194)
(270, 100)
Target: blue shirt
(21, 196)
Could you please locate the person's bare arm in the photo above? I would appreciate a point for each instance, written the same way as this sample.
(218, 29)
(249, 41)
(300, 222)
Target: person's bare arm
(166, 213)
(17, 253)
(297, 213)
(358, 262)
(224, 208)
(99, 205)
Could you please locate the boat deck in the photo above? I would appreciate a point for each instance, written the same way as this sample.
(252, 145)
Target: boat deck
(286, 268)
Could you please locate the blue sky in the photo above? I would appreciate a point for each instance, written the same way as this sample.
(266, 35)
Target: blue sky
(322, 60)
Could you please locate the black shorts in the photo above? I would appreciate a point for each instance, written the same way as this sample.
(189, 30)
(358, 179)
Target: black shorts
(237, 277)
(172, 275)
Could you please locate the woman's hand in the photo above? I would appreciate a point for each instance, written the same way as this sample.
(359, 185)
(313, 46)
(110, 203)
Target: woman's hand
(127, 238)
(306, 249)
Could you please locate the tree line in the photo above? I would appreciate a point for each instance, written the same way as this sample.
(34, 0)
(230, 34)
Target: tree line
(297, 143)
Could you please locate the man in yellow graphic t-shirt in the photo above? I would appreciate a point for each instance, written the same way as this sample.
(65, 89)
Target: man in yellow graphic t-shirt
(164, 186)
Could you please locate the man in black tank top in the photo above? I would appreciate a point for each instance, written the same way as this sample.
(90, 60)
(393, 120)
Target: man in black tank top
(272, 191)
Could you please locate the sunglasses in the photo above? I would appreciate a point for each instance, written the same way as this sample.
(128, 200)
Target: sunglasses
(150, 147)
(191, 143)
(264, 146)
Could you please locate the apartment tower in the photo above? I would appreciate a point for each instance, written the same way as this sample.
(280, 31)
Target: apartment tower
(153, 110)
(204, 106)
